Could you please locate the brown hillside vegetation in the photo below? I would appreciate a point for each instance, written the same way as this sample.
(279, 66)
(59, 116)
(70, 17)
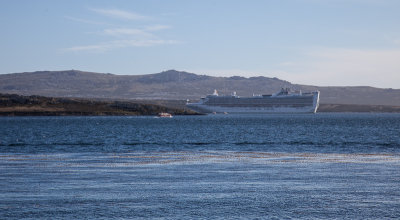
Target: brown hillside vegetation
(176, 85)
(16, 105)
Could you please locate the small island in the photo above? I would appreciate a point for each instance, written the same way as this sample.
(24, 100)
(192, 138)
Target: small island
(17, 105)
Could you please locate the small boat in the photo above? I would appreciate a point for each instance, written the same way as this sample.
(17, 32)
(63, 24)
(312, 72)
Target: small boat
(164, 115)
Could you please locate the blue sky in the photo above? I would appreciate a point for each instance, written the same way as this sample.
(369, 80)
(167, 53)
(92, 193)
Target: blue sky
(315, 42)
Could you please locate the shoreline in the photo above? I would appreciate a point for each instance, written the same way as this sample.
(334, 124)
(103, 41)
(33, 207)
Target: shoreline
(17, 105)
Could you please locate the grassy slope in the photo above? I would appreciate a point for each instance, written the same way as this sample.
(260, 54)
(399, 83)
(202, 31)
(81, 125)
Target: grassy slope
(16, 105)
(358, 108)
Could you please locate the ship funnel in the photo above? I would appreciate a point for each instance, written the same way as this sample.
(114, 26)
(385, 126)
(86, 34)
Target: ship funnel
(215, 92)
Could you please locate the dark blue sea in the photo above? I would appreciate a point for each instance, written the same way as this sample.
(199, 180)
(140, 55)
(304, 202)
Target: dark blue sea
(308, 166)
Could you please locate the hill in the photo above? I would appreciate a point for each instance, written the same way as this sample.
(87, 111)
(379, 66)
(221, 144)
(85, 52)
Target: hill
(174, 85)
(16, 105)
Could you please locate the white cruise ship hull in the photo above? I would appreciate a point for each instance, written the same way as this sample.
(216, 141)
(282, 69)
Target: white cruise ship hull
(284, 104)
(249, 110)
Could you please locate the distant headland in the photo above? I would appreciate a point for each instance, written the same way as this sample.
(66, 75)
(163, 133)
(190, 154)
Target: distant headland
(16, 105)
(173, 88)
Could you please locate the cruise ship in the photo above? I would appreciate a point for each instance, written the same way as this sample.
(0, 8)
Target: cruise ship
(284, 101)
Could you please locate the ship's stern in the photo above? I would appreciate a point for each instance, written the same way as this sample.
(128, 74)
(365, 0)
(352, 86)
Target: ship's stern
(316, 101)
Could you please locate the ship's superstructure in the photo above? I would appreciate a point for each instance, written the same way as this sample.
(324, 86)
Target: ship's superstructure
(283, 101)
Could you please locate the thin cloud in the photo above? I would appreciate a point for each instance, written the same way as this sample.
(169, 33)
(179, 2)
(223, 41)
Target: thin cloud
(156, 27)
(145, 32)
(120, 44)
(116, 13)
(123, 37)
(118, 32)
(100, 47)
(85, 21)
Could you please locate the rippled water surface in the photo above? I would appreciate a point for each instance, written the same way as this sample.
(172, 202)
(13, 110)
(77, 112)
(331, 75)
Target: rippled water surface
(217, 166)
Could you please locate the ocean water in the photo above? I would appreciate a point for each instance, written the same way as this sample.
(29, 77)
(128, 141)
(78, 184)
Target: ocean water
(306, 166)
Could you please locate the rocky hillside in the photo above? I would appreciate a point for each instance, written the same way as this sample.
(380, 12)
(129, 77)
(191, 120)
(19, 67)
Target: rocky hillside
(173, 84)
